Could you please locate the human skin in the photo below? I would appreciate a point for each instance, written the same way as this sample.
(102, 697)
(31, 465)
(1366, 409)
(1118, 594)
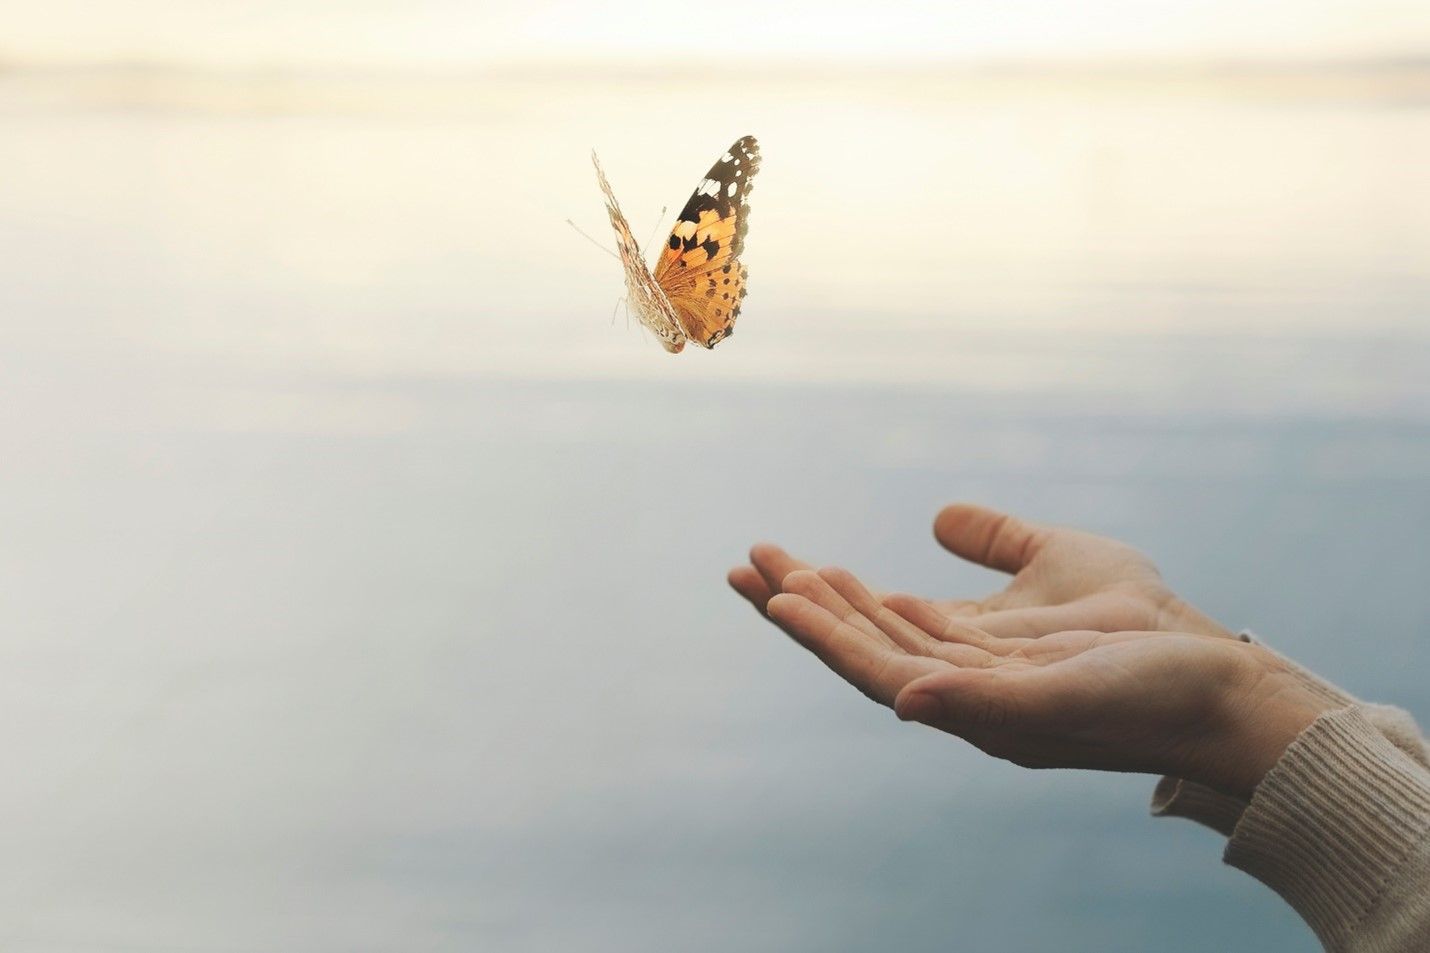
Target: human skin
(1086, 659)
(1062, 579)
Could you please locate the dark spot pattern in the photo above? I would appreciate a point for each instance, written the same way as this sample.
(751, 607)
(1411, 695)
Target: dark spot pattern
(714, 220)
(731, 175)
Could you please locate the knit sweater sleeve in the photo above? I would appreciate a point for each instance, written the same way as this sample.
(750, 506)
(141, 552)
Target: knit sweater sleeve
(1339, 828)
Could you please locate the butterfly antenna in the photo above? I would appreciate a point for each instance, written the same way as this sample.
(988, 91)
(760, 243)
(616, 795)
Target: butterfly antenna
(656, 231)
(592, 240)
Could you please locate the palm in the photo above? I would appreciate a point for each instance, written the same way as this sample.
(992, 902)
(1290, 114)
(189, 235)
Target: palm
(1129, 700)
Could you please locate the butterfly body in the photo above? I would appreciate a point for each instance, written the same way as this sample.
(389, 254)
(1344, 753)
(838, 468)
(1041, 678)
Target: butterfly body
(695, 290)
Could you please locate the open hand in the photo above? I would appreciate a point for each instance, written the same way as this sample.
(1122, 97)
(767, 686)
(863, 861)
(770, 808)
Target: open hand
(1198, 706)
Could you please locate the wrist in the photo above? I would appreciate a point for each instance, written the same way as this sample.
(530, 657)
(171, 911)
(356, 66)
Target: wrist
(1177, 615)
(1262, 709)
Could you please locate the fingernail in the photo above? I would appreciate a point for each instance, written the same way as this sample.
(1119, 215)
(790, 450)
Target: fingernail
(920, 706)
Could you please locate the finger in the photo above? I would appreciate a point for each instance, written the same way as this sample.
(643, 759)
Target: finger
(903, 634)
(1060, 646)
(774, 564)
(747, 581)
(988, 537)
(816, 589)
(901, 631)
(958, 607)
(864, 662)
(1033, 621)
(1108, 611)
(942, 627)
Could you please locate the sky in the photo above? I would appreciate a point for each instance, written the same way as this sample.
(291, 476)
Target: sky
(460, 33)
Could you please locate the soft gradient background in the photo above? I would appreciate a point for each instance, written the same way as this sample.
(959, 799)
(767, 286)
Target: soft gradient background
(361, 580)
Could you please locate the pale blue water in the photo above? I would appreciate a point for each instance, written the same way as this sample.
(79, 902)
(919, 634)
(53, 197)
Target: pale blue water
(339, 615)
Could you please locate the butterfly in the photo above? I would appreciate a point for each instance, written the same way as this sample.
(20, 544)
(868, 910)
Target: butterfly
(695, 290)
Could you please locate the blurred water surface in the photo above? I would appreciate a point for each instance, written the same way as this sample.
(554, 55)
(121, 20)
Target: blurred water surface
(363, 579)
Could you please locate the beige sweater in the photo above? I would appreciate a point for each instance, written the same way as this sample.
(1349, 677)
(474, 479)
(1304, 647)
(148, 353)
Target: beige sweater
(1340, 827)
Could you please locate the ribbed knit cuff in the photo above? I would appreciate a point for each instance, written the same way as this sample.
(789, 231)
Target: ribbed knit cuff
(1332, 822)
(1400, 729)
(1178, 797)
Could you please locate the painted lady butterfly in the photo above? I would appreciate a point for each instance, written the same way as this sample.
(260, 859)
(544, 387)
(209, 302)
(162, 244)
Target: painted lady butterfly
(698, 283)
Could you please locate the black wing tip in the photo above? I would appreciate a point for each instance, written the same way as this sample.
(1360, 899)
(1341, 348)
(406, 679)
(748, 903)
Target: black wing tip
(748, 148)
(745, 145)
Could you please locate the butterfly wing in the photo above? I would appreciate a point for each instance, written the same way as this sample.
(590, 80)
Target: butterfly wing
(699, 270)
(645, 296)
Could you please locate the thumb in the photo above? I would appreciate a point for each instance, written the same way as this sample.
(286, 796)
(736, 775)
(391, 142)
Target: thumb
(987, 537)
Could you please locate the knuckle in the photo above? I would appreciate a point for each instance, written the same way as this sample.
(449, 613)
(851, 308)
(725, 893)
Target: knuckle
(1032, 542)
(996, 531)
(888, 619)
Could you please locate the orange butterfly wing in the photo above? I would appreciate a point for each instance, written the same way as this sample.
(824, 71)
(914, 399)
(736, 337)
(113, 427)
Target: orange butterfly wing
(699, 270)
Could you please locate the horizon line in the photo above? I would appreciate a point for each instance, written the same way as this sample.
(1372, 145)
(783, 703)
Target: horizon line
(551, 67)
